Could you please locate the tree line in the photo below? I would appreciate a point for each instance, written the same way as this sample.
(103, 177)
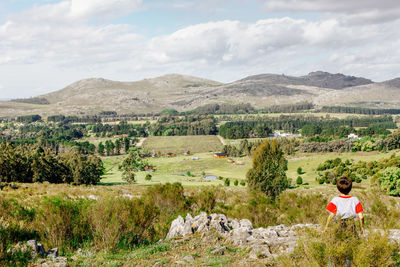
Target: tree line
(360, 110)
(27, 163)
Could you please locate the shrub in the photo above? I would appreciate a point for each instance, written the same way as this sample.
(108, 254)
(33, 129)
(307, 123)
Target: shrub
(236, 182)
(299, 180)
(148, 177)
(227, 182)
(206, 200)
(63, 222)
(242, 183)
(340, 248)
(390, 181)
(299, 170)
(168, 197)
(122, 223)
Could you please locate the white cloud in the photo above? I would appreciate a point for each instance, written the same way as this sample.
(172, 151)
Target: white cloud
(345, 6)
(52, 45)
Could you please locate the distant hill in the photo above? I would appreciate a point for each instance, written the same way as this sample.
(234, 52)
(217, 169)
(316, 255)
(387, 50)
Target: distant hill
(180, 92)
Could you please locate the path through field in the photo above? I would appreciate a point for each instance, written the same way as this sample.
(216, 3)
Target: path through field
(222, 140)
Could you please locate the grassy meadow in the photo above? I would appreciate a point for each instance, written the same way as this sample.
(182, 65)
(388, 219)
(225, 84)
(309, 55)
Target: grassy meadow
(175, 169)
(179, 144)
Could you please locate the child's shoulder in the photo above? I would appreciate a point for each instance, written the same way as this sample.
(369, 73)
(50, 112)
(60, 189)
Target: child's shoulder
(345, 199)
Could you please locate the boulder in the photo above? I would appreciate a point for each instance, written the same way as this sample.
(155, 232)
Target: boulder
(259, 251)
(176, 229)
(239, 236)
(218, 250)
(187, 227)
(245, 223)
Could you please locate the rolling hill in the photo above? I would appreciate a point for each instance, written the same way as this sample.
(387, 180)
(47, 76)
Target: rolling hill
(90, 96)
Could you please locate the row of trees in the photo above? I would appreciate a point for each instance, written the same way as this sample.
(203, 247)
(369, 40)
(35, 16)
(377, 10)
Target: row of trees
(111, 147)
(188, 125)
(360, 110)
(33, 163)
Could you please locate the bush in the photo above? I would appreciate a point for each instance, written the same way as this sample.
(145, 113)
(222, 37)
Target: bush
(242, 183)
(299, 180)
(299, 170)
(122, 223)
(390, 181)
(148, 177)
(236, 182)
(206, 200)
(63, 222)
(340, 248)
(227, 182)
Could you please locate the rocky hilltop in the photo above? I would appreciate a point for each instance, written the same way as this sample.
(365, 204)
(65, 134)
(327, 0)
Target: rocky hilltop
(180, 92)
(261, 242)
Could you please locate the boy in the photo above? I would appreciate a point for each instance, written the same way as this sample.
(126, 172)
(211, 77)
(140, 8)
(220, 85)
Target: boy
(345, 206)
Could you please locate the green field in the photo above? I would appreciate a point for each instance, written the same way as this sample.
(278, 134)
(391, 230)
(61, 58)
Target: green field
(178, 144)
(175, 169)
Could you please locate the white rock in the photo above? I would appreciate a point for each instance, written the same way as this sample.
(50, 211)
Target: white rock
(176, 228)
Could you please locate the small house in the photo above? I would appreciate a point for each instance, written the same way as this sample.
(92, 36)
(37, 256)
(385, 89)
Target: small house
(142, 156)
(220, 155)
(353, 136)
(148, 168)
(231, 160)
(171, 154)
(195, 158)
(187, 153)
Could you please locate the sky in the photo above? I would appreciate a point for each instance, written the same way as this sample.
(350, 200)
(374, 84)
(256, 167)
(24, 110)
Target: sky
(46, 45)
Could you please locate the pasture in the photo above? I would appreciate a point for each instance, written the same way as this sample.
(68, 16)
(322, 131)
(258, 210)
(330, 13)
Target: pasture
(178, 144)
(189, 172)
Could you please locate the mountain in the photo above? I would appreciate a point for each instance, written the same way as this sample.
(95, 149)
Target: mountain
(90, 96)
(318, 79)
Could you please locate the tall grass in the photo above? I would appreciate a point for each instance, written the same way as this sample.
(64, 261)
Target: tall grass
(120, 220)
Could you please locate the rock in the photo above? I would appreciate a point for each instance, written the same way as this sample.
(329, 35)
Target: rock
(187, 227)
(56, 262)
(188, 258)
(260, 252)
(200, 222)
(53, 253)
(245, 223)
(233, 224)
(239, 236)
(262, 233)
(93, 197)
(394, 234)
(176, 228)
(218, 250)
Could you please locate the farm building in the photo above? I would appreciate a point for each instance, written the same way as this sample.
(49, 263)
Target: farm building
(220, 155)
(148, 168)
(171, 154)
(187, 153)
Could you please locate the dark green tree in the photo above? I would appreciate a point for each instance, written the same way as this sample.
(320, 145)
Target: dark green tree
(100, 149)
(268, 173)
(127, 144)
(118, 146)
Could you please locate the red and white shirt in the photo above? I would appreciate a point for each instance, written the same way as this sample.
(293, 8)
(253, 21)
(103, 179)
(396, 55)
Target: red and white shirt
(345, 206)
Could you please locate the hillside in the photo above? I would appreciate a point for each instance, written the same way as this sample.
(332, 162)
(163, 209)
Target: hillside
(90, 96)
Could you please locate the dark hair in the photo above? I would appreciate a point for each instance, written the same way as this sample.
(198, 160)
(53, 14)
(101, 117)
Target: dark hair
(344, 185)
